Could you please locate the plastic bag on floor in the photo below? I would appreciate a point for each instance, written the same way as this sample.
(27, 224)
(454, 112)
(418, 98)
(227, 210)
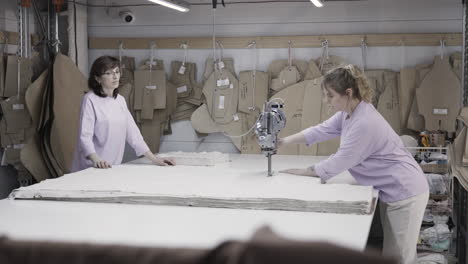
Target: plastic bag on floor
(432, 259)
(436, 183)
(437, 237)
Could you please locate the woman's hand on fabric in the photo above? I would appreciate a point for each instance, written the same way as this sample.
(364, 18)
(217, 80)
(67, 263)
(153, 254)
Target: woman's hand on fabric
(101, 164)
(301, 172)
(164, 161)
(98, 162)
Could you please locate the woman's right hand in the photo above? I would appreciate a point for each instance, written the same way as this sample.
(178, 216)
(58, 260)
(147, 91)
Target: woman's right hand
(98, 162)
(101, 164)
(282, 142)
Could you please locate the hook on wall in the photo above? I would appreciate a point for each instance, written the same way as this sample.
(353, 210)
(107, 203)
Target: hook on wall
(183, 45)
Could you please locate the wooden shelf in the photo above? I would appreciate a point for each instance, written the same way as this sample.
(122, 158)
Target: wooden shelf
(372, 40)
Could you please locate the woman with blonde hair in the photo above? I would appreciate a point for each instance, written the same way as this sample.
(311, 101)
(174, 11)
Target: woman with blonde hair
(374, 155)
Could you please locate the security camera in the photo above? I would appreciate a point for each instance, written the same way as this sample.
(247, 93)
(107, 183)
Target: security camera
(127, 16)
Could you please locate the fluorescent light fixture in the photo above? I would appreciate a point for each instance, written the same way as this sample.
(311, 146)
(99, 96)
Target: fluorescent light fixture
(177, 5)
(317, 3)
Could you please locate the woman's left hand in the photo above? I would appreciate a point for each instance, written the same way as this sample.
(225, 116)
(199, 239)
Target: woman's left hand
(300, 172)
(164, 161)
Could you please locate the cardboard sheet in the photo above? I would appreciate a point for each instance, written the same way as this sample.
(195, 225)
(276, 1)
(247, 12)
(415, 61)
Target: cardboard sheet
(311, 108)
(221, 91)
(228, 64)
(389, 106)
(438, 97)
(287, 77)
(330, 146)
(277, 66)
(253, 90)
(2, 72)
(11, 78)
(293, 96)
(249, 142)
(406, 92)
(150, 91)
(68, 92)
(415, 120)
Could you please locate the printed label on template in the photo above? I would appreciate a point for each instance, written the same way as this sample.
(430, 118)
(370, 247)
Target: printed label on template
(182, 69)
(182, 89)
(221, 102)
(222, 82)
(440, 111)
(18, 106)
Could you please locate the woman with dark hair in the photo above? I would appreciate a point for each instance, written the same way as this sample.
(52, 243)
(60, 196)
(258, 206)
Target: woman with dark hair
(105, 122)
(374, 155)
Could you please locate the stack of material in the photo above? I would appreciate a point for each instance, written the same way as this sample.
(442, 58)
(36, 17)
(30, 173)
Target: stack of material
(191, 158)
(53, 101)
(237, 184)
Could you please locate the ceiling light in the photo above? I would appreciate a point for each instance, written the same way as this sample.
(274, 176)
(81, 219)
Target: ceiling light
(177, 5)
(317, 3)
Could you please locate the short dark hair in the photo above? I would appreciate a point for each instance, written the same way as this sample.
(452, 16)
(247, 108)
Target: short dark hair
(99, 67)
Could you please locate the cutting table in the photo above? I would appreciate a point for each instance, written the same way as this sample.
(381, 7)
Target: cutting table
(113, 213)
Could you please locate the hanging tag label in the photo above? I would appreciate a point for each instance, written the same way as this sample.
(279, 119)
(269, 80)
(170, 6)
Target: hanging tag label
(220, 65)
(440, 111)
(151, 87)
(182, 69)
(182, 89)
(221, 102)
(222, 82)
(18, 146)
(231, 86)
(236, 117)
(3, 163)
(18, 106)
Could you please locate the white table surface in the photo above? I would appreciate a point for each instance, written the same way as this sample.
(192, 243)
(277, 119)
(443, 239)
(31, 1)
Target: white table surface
(171, 226)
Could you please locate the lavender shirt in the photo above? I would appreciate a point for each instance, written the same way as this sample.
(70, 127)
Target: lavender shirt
(372, 152)
(105, 125)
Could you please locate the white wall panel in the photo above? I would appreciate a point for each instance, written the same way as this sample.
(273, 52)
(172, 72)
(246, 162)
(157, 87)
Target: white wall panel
(371, 16)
